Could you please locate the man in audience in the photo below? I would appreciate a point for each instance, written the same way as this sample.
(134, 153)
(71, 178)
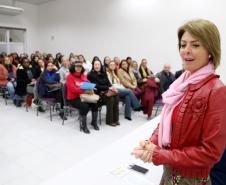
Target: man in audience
(166, 78)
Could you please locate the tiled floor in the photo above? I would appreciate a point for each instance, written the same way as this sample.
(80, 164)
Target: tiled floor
(33, 149)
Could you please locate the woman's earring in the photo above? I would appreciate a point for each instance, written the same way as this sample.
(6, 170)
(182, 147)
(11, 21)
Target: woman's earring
(210, 58)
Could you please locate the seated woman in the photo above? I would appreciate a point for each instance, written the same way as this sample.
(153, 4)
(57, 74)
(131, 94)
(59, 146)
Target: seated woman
(150, 88)
(86, 64)
(64, 69)
(99, 77)
(73, 82)
(144, 70)
(128, 79)
(125, 94)
(49, 86)
(24, 77)
(8, 76)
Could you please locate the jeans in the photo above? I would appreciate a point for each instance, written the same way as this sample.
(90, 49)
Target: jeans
(130, 100)
(10, 86)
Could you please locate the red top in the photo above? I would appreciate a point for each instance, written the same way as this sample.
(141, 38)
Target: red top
(73, 82)
(198, 131)
(4, 75)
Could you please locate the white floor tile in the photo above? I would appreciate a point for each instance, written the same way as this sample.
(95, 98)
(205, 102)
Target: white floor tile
(34, 149)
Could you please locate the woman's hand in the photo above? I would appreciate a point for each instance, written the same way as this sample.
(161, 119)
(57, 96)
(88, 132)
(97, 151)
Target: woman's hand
(144, 80)
(89, 92)
(113, 89)
(144, 151)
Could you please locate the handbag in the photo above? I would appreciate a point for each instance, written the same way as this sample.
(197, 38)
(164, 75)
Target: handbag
(54, 87)
(110, 93)
(30, 89)
(89, 98)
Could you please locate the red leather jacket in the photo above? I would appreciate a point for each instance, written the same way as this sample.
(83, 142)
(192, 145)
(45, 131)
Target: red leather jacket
(198, 131)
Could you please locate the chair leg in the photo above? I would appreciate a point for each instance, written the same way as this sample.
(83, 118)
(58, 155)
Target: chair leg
(50, 112)
(5, 96)
(99, 112)
(80, 122)
(64, 114)
(157, 108)
(38, 104)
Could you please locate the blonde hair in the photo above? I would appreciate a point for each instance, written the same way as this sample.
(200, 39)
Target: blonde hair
(207, 33)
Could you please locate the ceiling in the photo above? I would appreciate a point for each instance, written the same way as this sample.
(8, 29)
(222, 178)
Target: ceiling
(37, 2)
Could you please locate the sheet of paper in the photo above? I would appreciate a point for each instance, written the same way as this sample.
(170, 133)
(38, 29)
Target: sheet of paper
(128, 177)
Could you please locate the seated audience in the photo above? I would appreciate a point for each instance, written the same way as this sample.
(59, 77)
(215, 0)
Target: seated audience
(103, 86)
(64, 69)
(106, 62)
(149, 86)
(125, 94)
(86, 64)
(8, 76)
(57, 60)
(117, 62)
(23, 78)
(178, 73)
(49, 86)
(144, 70)
(128, 79)
(73, 82)
(37, 70)
(136, 73)
(166, 78)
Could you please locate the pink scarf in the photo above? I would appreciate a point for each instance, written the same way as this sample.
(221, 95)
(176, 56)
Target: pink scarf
(173, 96)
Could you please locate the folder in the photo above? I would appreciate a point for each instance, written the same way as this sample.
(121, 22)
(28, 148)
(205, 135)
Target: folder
(87, 86)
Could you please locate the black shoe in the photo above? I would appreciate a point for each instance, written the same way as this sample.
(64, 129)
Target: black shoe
(19, 104)
(83, 125)
(35, 101)
(62, 116)
(14, 102)
(128, 118)
(111, 124)
(40, 109)
(95, 126)
(85, 130)
(139, 108)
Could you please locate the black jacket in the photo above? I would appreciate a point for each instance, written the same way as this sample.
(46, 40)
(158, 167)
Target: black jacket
(23, 77)
(101, 81)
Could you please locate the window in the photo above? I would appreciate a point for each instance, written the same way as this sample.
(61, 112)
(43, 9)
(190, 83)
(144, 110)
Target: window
(3, 37)
(12, 40)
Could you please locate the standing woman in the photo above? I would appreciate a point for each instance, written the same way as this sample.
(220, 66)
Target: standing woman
(99, 77)
(73, 82)
(191, 134)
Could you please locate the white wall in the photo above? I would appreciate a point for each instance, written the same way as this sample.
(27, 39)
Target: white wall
(144, 28)
(28, 20)
(137, 28)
